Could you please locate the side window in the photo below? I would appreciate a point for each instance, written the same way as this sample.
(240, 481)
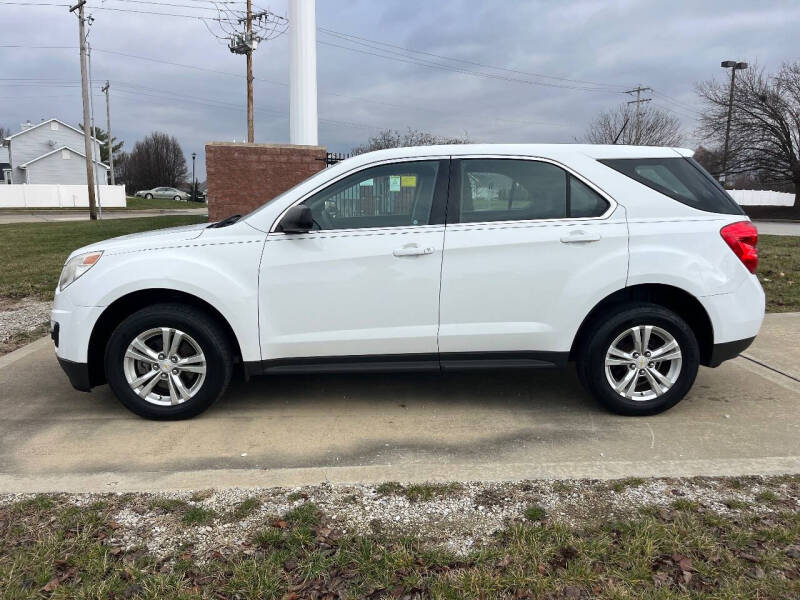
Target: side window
(394, 195)
(511, 190)
(584, 201)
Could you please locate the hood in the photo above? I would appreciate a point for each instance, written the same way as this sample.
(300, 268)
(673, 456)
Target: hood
(145, 239)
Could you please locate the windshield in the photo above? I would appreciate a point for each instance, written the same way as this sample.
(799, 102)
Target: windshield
(682, 179)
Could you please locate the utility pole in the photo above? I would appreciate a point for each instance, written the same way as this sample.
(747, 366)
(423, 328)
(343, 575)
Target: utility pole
(638, 102)
(105, 89)
(250, 128)
(244, 31)
(733, 66)
(99, 197)
(194, 181)
(85, 94)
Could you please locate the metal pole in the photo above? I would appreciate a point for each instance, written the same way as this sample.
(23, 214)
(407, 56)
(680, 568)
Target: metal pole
(94, 132)
(303, 128)
(728, 126)
(194, 185)
(85, 97)
(108, 124)
(250, 127)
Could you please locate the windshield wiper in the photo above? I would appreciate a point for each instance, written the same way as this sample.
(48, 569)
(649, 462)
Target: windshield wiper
(225, 222)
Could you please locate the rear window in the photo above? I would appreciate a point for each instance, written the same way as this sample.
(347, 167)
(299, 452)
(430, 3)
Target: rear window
(682, 179)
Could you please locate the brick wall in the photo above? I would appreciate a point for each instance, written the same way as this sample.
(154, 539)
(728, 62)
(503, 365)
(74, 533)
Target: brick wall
(242, 177)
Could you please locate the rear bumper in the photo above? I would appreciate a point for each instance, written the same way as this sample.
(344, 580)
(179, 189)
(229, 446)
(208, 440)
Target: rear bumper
(78, 374)
(728, 350)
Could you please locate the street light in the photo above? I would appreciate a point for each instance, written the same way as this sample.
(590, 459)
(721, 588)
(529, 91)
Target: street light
(733, 66)
(194, 184)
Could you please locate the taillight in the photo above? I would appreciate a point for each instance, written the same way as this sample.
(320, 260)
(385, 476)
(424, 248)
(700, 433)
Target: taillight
(742, 237)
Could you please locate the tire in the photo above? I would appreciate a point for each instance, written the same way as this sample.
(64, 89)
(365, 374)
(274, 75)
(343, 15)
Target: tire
(201, 339)
(177, 198)
(149, 196)
(647, 393)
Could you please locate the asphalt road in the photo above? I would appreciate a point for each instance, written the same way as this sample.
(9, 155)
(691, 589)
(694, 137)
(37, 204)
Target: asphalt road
(56, 216)
(742, 418)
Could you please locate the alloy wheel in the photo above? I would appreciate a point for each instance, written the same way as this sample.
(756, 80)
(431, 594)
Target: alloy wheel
(164, 366)
(643, 363)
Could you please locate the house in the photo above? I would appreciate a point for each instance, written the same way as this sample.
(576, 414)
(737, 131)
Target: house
(50, 152)
(5, 165)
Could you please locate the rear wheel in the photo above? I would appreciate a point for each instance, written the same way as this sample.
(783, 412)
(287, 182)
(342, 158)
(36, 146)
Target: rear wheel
(640, 361)
(168, 361)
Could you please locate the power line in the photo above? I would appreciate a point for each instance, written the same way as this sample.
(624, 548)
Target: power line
(351, 37)
(282, 84)
(484, 75)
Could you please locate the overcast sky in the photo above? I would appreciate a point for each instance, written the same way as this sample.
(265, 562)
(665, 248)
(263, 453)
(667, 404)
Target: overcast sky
(542, 48)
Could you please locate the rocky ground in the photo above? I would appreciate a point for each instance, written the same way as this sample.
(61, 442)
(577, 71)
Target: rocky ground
(21, 321)
(697, 538)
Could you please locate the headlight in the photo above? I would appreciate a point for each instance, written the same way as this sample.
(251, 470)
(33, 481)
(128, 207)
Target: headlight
(77, 266)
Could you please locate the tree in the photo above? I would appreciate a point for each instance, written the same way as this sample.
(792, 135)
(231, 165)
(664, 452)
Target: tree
(4, 132)
(157, 160)
(102, 135)
(391, 138)
(765, 124)
(618, 126)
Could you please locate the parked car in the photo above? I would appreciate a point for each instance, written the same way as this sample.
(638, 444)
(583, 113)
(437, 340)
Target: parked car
(630, 261)
(164, 192)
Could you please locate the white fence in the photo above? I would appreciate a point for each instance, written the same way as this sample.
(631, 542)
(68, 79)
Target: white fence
(762, 198)
(58, 196)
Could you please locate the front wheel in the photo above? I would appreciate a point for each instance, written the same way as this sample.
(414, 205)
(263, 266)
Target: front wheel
(168, 361)
(641, 360)
(148, 196)
(177, 198)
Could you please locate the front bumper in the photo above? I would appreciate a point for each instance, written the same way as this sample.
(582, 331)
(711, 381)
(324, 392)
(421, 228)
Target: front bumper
(78, 374)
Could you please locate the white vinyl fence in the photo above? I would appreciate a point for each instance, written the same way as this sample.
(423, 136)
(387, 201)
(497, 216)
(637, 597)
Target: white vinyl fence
(58, 196)
(762, 198)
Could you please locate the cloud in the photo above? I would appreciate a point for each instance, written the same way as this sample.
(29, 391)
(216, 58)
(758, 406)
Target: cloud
(667, 45)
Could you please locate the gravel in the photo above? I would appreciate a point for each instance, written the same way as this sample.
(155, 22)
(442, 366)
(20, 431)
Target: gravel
(22, 316)
(459, 518)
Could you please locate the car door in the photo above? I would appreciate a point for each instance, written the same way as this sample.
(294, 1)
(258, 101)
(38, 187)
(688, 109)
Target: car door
(530, 248)
(365, 282)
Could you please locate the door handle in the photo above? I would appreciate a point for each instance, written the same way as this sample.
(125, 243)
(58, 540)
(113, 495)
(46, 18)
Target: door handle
(580, 237)
(412, 250)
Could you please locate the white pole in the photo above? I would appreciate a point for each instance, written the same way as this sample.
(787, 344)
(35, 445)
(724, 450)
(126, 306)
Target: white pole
(302, 72)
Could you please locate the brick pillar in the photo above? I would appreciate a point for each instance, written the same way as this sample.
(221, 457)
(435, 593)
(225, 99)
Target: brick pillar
(242, 177)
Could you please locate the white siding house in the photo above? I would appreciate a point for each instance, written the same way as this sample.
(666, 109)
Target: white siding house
(51, 152)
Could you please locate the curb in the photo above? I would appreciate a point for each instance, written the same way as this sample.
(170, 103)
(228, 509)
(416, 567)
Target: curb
(9, 359)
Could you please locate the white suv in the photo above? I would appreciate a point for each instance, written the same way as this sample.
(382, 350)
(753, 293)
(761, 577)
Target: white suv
(631, 261)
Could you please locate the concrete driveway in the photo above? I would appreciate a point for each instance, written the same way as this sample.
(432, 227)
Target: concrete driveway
(742, 418)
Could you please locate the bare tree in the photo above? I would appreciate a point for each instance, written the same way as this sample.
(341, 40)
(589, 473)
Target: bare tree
(4, 132)
(157, 160)
(765, 125)
(391, 138)
(618, 126)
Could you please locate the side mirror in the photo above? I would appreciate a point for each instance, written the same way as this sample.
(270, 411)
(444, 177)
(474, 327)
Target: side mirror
(298, 219)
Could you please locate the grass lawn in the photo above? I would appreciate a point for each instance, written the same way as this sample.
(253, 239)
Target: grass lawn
(34, 253)
(677, 545)
(779, 271)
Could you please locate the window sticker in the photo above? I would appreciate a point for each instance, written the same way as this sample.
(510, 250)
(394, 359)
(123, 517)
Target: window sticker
(408, 181)
(367, 183)
(394, 183)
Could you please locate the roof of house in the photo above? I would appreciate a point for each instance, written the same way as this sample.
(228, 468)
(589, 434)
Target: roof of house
(32, 127)
(25, 165)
